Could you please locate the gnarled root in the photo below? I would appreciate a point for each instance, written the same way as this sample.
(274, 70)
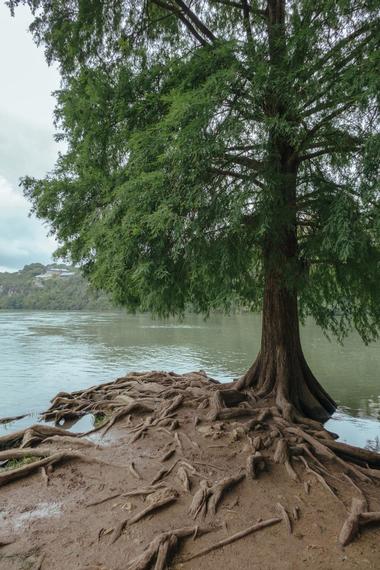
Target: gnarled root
(47, 458)
(12, 419)
(234, 537)
(184, 479)
(163, 498)
(356, 454)
(34, 434)
(162, 547)
(206, 499)
(256, 463)
(285, 517)
(358, 517)
(267, 432)
(282, 455)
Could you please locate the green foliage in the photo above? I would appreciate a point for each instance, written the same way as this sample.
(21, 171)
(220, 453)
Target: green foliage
(17, 463)
(199, 136)
(99, 419)
(26, 290)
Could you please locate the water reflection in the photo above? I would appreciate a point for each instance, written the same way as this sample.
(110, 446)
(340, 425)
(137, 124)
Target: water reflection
(363, 432)
(43, 353)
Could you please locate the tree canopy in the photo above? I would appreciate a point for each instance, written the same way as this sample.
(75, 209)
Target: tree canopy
(177, 118)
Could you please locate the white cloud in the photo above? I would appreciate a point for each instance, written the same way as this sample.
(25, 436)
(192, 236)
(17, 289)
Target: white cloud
(27, 145)
(23, 239)
(27, 82)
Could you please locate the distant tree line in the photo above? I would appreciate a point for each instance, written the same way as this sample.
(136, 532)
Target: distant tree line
(25, 289)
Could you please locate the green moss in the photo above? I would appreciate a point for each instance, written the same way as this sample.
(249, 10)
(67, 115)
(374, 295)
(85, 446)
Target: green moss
(16, 463)
(99, 419)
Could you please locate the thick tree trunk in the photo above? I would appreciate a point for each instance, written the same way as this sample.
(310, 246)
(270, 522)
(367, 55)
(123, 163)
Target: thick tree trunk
(280, 370)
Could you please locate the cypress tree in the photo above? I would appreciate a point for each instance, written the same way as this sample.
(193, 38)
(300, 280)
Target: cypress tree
(222, 153)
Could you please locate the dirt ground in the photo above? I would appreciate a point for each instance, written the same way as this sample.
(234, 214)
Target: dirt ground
(51, 524)
(179, 458)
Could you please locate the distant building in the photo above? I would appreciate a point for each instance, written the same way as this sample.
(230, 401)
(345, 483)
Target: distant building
(52, 273)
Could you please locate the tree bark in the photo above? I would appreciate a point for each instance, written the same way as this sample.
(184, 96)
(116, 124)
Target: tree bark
(280, 370)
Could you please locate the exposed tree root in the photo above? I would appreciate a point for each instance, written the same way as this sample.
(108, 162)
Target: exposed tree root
(25, 470)
(12, 419)
(144, 491)
(71, 441)
(40, 562)
(163, 499)
(154, 403)
(184, 478)
(6, 541)
(32, 435)
(160, 549)
(206, 499)
(134, 472)
(232, 414)
(45, 476)
(255, 464)
(296, 513)
(168, 454)
(164, 472)
(101, 501)
(357, 518)
(321, 479)
(285, 517)
(355, 454)
(47, 458)
(234, 537)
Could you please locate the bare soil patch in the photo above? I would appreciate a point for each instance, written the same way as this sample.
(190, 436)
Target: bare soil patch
(190, 474)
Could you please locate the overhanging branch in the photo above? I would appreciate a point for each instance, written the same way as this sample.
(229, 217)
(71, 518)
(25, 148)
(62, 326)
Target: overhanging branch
(326, 119)
(247, 21)
(239, 6)
(176, 12)
(324, 151)
(232, 173)
(244, 161)
(195, 20)
(239, 175)
(343, 42)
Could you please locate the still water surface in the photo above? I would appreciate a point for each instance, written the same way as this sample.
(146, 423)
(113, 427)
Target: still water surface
(42, 353)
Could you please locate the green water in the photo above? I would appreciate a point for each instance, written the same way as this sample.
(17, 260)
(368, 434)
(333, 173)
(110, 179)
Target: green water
(46, 352)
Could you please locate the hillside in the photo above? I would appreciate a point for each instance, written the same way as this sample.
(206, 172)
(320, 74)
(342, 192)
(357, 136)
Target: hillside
(50, 287)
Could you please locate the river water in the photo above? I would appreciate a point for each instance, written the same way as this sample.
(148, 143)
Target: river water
(42, 353)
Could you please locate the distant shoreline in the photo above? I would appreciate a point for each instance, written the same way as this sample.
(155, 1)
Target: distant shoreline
(54, 287)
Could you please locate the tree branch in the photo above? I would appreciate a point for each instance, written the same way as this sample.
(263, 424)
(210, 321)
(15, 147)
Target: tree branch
(325, 106)
(173, 10)
(244, 161)
(334, 72)
(310, 133)
(241, 147)
(247, 22)
(343, 42)
(230, 3)
(196, 21)
(321, 152)
(233, 174)
(239, 6)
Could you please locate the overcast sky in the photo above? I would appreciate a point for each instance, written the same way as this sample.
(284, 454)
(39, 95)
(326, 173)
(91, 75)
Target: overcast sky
(26, 139)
